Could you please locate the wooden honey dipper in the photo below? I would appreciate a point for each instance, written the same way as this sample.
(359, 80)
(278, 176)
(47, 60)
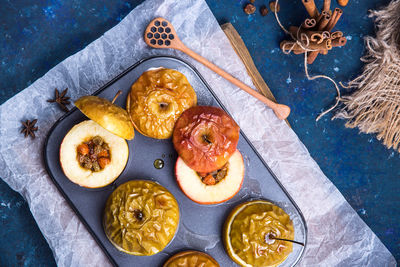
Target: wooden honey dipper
(161, 34)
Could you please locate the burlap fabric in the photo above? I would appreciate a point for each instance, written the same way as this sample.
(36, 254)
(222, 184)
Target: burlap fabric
(374, 105)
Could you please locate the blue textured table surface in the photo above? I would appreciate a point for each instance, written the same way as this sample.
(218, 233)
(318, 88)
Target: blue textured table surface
(36, 35)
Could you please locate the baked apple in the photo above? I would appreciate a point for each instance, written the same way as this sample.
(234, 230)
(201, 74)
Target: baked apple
(205, 138)
(141, 217)
(94, 152)
(91, 156)
(156, 101)
(191, 258)
(247, 232)
(211, 188)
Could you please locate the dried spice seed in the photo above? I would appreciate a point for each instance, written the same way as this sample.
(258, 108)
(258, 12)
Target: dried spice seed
(272, 6)
(264, 11)
(29, 128)
(249, 9)
(61, 99)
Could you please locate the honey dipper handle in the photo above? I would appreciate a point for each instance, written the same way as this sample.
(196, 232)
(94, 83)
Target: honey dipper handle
(281, 111)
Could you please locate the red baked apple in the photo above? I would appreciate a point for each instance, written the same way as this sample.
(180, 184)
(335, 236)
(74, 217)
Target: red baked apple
(211, 188)
(205, 138)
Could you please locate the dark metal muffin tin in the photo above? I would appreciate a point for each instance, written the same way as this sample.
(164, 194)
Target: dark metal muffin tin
(200, 226)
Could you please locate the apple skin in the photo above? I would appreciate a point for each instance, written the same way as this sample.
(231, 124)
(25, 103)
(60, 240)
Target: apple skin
(202, 258)
(235, 174)
(205, 137)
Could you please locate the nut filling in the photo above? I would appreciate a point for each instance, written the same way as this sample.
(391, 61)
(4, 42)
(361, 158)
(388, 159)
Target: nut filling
(94, 154)
(214, 177)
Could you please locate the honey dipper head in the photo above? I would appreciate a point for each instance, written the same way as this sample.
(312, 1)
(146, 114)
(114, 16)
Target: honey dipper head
(161, 34)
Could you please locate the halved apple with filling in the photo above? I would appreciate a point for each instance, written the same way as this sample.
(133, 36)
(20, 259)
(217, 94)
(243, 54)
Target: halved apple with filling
(91, 156)
(211, 188)
(205, 137)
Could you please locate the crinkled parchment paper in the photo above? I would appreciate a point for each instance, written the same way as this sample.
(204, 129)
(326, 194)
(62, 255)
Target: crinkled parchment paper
(337, 235)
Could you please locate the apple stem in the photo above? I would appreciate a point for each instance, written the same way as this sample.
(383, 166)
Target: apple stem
(205, 138)
(116, 96)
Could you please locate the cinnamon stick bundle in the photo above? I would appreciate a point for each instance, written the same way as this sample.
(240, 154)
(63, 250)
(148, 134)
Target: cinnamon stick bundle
(315, 33)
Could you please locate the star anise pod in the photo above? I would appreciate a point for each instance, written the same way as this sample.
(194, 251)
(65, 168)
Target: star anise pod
(61, 99)
(29, 128)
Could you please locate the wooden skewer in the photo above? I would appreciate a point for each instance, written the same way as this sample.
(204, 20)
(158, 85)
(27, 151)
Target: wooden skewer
(288, 240)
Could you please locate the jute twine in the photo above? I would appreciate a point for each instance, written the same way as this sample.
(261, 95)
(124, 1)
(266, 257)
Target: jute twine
(303, 41)
(374, 106)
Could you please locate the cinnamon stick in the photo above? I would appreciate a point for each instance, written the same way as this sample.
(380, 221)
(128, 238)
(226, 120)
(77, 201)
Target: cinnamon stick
(327, 5)
(339, 42)
(309, 23)
(311, 8)
(337, 13)
(334, 43)
(287, 46)
(298, 52)
(323, 52)
(326, 34)
(323, 22)
(312, 56)
(317, 37)
(325, 44)
(336, 34)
